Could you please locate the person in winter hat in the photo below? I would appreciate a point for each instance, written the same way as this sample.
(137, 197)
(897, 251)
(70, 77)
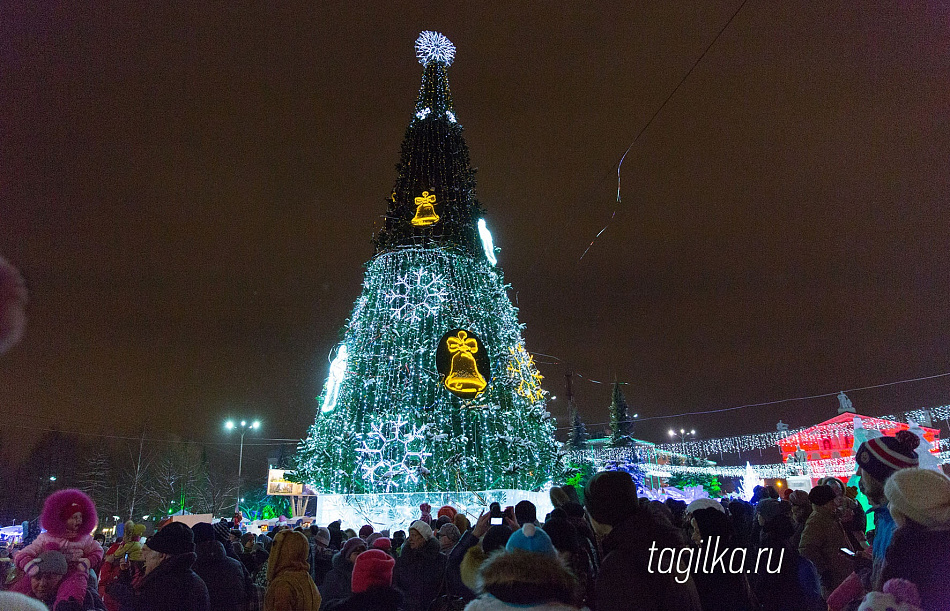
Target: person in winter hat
(365, 531)
(528, 574)
(14, 601)
(419, 567)
(169, 583)
(877, 460)
(530, 538)
(526, 513)
(719, 588)
(223, 576)
(336, 534)
(704, 504)
(472, 550)
(896, 595)
(46, 573)
(372, 585)
(336, 585)
(823, 538)
(131, 542)
(569, 545)
(919, 500)
(288, 572)
(69, 517)
(321, 556)
(628, 533)
(384, 544)
(447, 510)
(449, 535)
(461, 522)
(129, 545)
(426, 515)
(398, 539)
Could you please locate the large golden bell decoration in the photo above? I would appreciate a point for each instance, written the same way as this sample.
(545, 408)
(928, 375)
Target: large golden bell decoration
(425, 210)
(464, 377)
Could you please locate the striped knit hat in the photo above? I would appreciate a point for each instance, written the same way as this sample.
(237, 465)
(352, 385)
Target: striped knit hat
(882, 456)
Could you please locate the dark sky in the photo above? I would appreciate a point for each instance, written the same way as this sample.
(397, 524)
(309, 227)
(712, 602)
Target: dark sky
(191, 190)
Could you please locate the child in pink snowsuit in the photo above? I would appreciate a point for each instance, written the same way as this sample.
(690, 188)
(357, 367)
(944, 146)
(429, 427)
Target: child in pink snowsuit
(69, 517)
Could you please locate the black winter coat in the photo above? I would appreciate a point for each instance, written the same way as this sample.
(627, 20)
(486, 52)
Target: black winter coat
(337, 584)
(223, 576)
(453, 574)
(922, 557)
(625, 575)
(171, 586)
(321, 563)
(374, 599)
(418, 574)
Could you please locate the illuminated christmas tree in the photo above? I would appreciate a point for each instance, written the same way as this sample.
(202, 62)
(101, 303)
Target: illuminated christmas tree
(432, 388)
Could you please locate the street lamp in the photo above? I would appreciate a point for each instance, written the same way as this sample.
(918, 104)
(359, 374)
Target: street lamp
(682, 436)
(244, 427)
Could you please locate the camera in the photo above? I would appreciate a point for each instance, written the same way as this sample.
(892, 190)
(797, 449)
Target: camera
(496, 515)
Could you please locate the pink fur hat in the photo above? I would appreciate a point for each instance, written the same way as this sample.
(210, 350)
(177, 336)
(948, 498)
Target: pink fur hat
(65, 503)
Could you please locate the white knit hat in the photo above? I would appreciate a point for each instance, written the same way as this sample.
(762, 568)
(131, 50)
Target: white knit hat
(422, 528)
(922, 495)
(12, 601)
(705, 504)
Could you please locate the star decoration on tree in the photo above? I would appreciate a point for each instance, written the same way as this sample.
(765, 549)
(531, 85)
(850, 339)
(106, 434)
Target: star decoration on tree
(434, 47)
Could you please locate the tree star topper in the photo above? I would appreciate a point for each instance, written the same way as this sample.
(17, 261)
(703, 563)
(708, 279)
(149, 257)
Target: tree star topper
(434, 47)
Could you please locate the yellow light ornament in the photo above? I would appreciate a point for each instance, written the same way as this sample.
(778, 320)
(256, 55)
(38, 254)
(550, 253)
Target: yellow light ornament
(425, 211)
(464, 378)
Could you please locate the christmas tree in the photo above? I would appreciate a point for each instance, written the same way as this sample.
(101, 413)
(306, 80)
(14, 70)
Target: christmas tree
(621, 424)
(432, 388)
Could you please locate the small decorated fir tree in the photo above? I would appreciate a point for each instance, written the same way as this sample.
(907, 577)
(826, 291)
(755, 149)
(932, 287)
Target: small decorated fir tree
(579, 437)
(621, 424)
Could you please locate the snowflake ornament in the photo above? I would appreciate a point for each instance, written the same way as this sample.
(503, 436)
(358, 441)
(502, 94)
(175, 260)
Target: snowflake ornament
(418, 294)
(434, 47)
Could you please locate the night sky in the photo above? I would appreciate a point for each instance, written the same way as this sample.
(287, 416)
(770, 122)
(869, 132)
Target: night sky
(191, 191)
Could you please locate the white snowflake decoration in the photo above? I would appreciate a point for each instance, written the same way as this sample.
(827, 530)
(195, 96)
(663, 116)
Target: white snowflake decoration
(422, 114)
(418, 294)
(434, 47)
(387, 457)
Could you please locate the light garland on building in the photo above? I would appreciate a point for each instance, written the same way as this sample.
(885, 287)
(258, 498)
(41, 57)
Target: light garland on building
(764, 441)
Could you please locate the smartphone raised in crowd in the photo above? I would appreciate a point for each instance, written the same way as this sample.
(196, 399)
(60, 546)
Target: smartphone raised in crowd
(845, 550)
(496, 516)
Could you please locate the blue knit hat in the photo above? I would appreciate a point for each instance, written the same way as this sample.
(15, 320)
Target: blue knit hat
(529, 538)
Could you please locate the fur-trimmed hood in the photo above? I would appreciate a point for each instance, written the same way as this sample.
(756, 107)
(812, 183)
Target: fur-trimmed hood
(63, 500)
(471, 562)
(524, 578)
(488, 602)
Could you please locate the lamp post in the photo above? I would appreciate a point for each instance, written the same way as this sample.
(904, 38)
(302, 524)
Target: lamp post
(244, 427)
(682, 436)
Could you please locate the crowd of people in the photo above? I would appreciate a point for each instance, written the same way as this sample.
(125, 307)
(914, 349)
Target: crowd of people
(607, 550)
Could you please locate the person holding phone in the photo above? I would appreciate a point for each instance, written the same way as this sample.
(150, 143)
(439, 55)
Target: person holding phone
(823, 539)
(491, 531)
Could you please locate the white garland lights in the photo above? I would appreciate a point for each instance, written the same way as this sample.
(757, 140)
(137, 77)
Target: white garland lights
(762, 441)
(659, 460)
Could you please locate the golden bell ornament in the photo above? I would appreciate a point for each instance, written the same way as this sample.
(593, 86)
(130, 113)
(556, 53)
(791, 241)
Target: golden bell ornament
(425, 211)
